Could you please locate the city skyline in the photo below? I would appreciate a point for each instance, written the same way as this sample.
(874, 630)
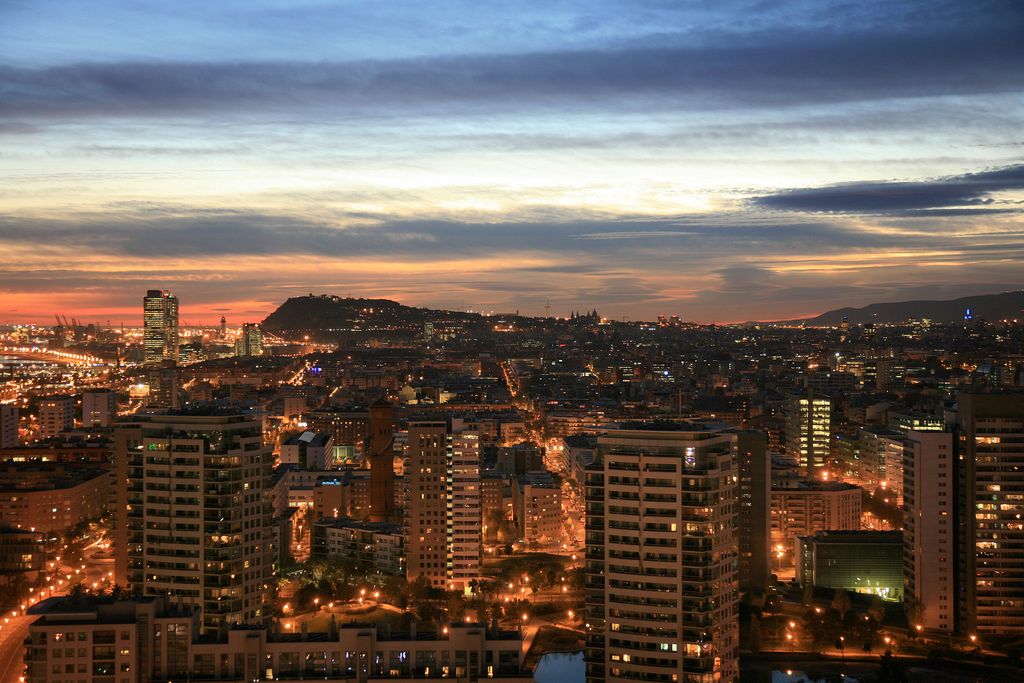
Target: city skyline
(724, 162)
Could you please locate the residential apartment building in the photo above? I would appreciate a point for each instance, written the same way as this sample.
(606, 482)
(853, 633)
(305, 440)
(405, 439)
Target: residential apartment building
(194, 514)
(661, 589)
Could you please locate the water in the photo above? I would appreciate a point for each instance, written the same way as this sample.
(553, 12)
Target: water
(560, 667)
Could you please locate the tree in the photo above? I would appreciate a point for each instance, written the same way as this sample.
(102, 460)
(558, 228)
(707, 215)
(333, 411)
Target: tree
(841, 603)
(876, 610)
(914, 609)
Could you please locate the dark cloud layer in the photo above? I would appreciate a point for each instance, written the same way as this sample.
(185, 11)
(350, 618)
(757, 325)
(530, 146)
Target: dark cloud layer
(923, 198)
(783, 69)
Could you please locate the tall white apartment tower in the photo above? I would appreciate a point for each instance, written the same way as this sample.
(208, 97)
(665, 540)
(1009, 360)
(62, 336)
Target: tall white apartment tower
(930, 528)
(194, 507)
(661, 577)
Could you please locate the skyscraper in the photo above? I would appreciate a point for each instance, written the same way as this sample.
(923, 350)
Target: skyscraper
(661, 555)
(160, 322)
(991, 460)
(443, 511)
(382, 462)
(809, 432)
(193, 514)
(250, 341)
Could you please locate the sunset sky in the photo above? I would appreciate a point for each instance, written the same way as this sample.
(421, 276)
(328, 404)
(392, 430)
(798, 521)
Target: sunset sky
(724, 160)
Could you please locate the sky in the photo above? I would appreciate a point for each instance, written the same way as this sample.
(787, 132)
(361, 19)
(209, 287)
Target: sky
(721, 160)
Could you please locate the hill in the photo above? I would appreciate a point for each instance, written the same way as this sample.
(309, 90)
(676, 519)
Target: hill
(315, 314)
(1007, 305)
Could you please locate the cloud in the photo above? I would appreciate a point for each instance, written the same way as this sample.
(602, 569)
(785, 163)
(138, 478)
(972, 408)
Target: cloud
(785, 69)
(920, 198)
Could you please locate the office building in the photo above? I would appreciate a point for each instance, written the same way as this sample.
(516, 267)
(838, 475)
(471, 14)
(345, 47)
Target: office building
(858, 561)
(99, 408)
(8, 426)
(991, 443)
(56, 415)
(753, 512)
(194, 514)
(809, 432)
(443, 509)
(250, 341)
(160, 327)
(930, 549)
(661, 588)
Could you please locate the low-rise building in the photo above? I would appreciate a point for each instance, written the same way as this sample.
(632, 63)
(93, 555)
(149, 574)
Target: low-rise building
(859, 561)
(376, 545)
(149, 639)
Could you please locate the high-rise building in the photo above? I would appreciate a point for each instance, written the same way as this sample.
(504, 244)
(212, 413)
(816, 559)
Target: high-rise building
(8, 426)
(443, 509)
(56, 415)
(465, 522)
(382, 462)
(991, 459)
(160, 321)
(99, 407)
(661, 555)
(250, 341)
(426, 511)
(753, 513)
(930, 474)
(809, 432)
(194, 514)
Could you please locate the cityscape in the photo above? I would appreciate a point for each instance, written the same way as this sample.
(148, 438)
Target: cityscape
(551, 341)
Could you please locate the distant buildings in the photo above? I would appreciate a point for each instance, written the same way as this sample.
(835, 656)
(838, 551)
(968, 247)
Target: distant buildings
(661, 555)
(194, 514)
(858, 561)
(160, 321)
(250, 341)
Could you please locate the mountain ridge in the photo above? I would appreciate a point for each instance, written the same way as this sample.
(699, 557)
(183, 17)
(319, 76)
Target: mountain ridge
(1004, 305)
